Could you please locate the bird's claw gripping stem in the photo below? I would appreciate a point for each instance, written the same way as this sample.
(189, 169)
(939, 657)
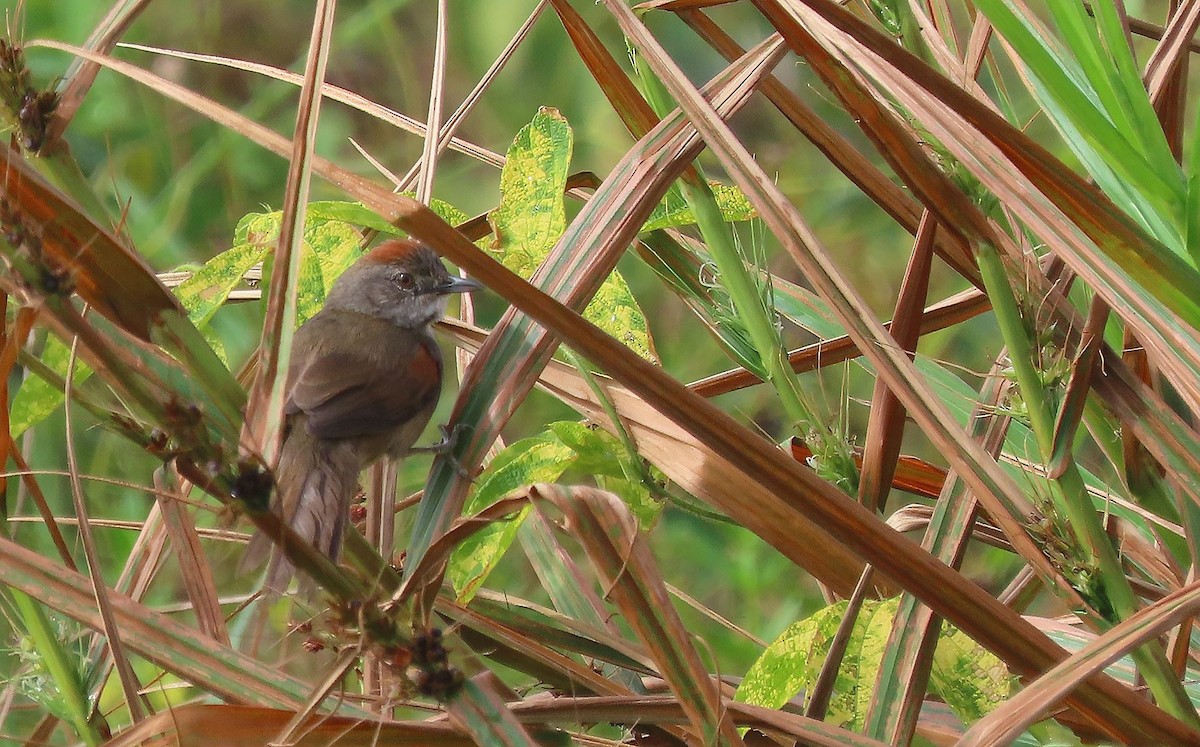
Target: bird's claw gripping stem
(445, 448)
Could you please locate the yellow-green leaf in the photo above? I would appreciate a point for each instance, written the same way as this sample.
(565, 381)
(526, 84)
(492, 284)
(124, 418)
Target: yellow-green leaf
(531, 217)
(673, 211)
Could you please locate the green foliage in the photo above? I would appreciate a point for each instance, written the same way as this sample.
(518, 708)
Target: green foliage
(970, 680)
(33, 678)
(565, 445)
(37, 399)
(531, 217)
(674, 210)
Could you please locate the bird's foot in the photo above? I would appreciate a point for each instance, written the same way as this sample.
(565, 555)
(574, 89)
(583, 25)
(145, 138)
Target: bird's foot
(445, 448)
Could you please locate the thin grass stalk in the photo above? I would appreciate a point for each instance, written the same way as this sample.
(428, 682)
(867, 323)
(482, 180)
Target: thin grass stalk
(129, 683)
(1092, 541)
(341, 95)
(58, 665)
(822, 689)
(437, 93)
(752, 304)
(264, 412)
(907, 660)
(885, 425)
(985, 476)
(446, 136)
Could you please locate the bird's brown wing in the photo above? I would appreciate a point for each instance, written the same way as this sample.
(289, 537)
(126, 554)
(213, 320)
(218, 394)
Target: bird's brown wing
(349, 390)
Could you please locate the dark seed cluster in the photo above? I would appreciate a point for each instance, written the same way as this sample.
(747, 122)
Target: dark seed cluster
(33, 108)
(436, 678)
(253, 485)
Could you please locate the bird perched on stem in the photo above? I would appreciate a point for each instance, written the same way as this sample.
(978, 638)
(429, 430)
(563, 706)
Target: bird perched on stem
(364, 379)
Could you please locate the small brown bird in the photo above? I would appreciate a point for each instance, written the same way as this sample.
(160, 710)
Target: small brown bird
(364, 379)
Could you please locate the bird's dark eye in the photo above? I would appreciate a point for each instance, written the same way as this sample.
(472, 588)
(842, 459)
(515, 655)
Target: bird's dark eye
(405, 281)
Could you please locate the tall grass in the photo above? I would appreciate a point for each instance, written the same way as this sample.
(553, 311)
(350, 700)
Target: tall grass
(1038, 162)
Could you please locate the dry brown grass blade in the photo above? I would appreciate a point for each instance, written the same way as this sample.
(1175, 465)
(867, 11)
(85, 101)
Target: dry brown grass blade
(678, 5)
(194, 569)
(1031, 704)
(1149, 30)
(665, 709)
(14, 339)
(264, 410)
(606, 529)
(1070, 412)
(841, 152)
(199, 725)
(112, 279)
(1172, 103)
(700, 470)
(112, 632)
(624, 97)
(82, 73)
(510, 646)
(299, 724)
(154, 636)
(1172, 50)
(885, 426)
(792, 492)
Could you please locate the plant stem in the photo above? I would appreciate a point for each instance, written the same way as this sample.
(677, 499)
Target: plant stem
(755, 313)
(58, 665)
(1091, 538)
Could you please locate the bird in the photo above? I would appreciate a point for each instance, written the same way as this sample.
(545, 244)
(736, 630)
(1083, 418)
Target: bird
(364, 379)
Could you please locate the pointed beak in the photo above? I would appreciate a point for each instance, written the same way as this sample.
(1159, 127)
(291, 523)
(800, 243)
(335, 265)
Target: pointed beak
(458, 285)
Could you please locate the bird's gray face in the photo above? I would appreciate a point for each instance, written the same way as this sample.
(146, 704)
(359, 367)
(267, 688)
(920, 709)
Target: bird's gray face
(408, 290)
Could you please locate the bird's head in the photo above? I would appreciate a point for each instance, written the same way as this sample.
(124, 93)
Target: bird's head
(400, 280)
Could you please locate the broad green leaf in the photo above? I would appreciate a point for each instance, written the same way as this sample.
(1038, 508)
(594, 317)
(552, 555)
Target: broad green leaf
(969, 679)
(356, 214)
(531, 217)
(601, 455)
(542, 458)
(36, 398)
(673, 211)
(967, 676)
(209, 287)
(311, 286)
(791, 663)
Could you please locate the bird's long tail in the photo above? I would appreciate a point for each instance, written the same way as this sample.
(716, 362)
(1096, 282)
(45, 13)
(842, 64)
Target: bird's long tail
(314, 483)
